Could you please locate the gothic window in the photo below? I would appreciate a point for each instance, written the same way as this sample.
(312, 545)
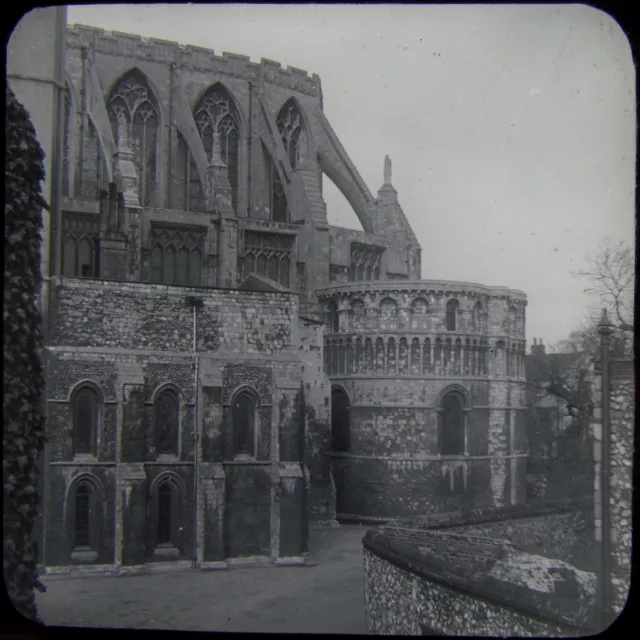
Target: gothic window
(191, 194)
(388, 314)
(165, 498)
(277, 196)
(134, 120)
(333, 318)
(452, 425)
(452, 311)
(66, 163)
(86, 416)
(218, 123)
(176, 255)
(80, 246)
(270, 255)
(365, 262)
(244, 416)
(82, 537)
(167, 422)
(291, 129)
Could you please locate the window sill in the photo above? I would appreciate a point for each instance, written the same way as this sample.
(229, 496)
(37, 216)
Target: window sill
(165, 551)
(87, 458)
(84, 555)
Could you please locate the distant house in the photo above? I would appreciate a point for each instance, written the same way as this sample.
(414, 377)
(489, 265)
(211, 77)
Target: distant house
(558, 400)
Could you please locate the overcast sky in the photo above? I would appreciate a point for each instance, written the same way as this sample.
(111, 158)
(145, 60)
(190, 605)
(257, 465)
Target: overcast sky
(511, 128)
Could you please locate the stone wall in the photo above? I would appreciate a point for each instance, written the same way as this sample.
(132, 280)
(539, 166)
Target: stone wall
(389, 348)
(620, 442)
(131, 340)
(482, 572)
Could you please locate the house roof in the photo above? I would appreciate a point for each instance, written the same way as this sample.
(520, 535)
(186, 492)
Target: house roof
(538, 367)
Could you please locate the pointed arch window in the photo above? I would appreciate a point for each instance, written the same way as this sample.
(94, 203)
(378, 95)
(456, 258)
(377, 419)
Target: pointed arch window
(167, 422)
(86, 416)
(134, 120)
(191, 194)
(218, 124)
(244, 418)
(291, 129)
(277, 196)
(165, 499)
(452, 312)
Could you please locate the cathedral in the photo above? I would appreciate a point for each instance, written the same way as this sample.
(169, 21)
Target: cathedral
(225, 369)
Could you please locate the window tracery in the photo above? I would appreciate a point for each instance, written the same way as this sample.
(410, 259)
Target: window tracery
(176, 255)
(80, 246)
(365, 262)
(134, 121)
(291, 129)
(269, 254)
(218, 124)
(167, 410)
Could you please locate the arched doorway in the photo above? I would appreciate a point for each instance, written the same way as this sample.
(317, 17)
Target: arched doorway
(340, 442)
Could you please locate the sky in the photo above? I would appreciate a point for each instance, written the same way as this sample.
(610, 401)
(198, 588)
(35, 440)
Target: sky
(511, 128)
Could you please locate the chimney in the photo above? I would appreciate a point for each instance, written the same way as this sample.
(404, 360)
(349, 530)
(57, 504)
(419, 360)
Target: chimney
(541, 347)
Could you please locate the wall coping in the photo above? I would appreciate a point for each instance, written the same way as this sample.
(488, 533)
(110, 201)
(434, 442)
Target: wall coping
(445, 286)
(402, 556)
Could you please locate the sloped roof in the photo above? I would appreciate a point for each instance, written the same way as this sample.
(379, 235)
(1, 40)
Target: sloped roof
(538, 367)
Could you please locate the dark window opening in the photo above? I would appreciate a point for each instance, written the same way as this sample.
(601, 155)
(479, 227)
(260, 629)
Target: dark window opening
(167, 423)
(452, 425)
(452, 309)
(340, 425)
(244, 424)
(164, 513)
(85, 421)
(82, 516)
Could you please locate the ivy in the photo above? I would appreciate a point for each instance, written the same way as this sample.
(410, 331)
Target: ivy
(23, 434)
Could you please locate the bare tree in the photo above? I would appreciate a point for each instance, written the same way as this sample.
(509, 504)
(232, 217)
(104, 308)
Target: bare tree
(611, 275)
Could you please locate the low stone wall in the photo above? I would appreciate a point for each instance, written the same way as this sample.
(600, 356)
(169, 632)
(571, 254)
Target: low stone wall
(482, 572)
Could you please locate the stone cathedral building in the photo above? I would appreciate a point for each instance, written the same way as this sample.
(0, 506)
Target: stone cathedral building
(225, 368)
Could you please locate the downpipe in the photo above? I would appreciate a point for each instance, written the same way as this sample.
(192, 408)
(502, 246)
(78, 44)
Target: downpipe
(195, 304)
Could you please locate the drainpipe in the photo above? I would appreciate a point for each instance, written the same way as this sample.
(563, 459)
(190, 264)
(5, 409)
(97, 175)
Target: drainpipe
(249, 150)
(195, 304)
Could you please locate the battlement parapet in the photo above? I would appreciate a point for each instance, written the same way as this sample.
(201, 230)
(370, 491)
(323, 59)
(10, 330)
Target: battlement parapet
(192, 57)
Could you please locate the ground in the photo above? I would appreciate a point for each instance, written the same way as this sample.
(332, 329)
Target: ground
(327, 596)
